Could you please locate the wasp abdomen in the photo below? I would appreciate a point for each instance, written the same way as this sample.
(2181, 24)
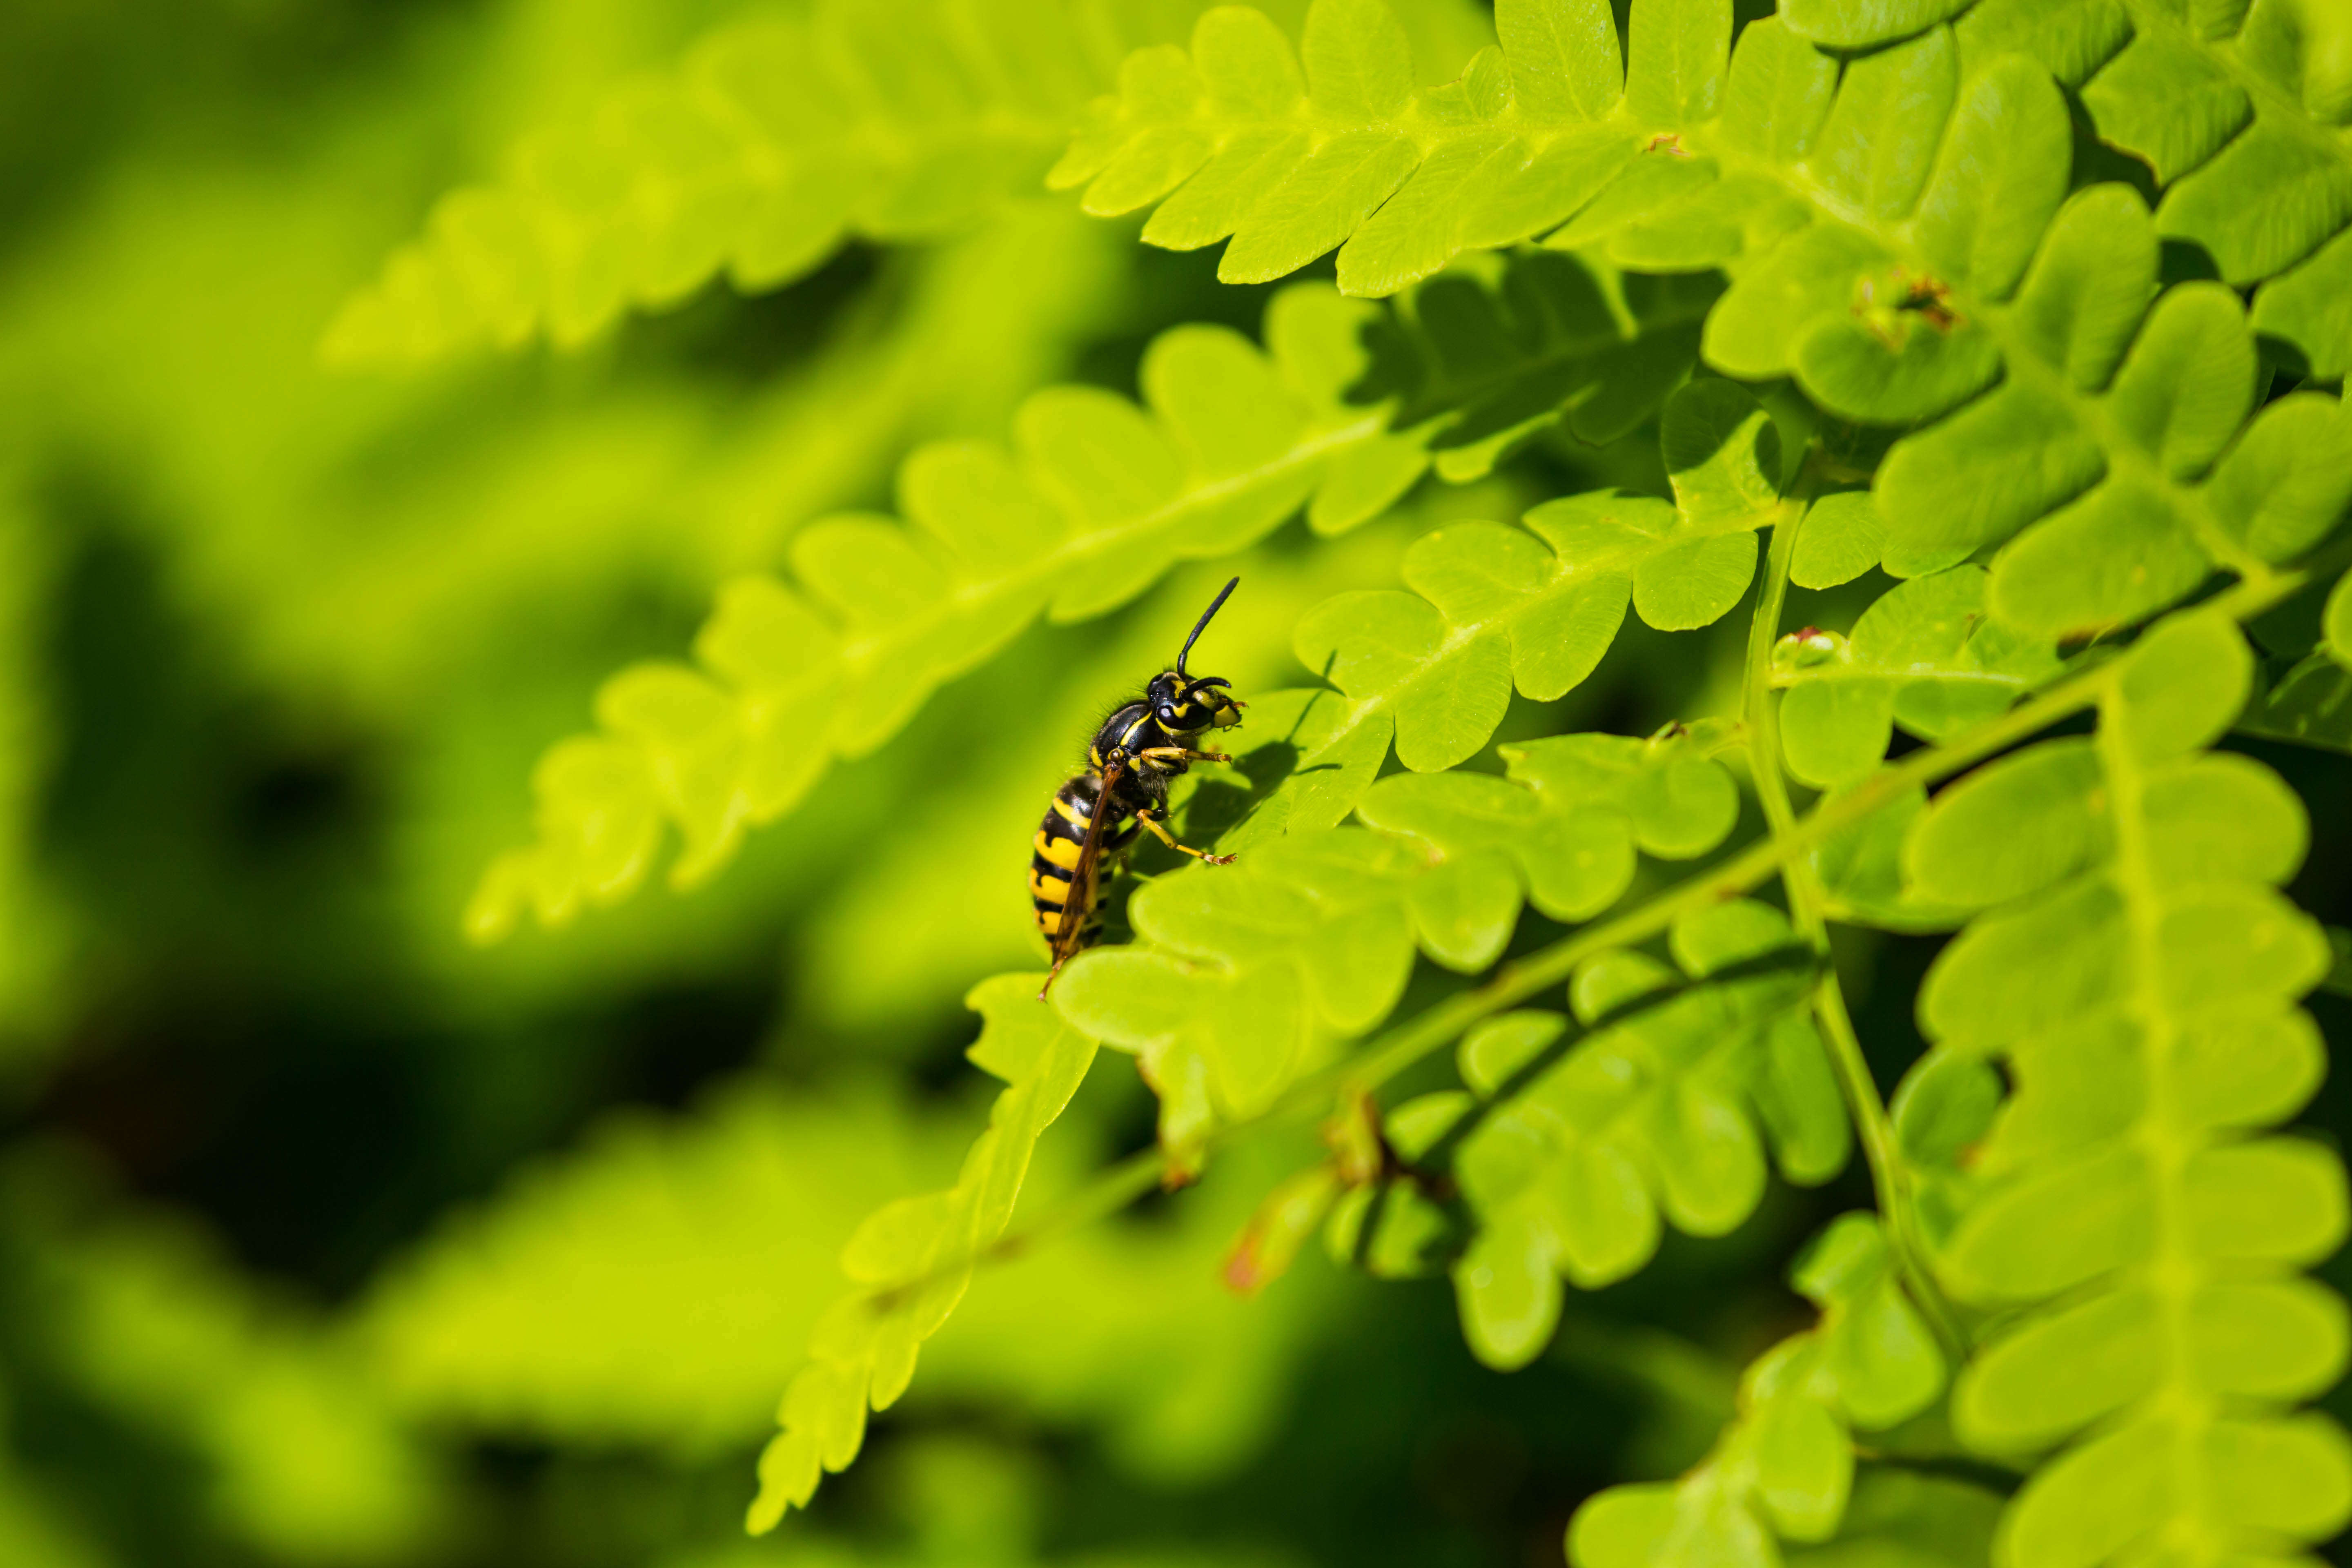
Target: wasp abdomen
(1055, 851)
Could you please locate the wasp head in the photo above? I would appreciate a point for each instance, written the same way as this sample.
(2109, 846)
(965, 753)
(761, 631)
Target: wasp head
(1186, 705)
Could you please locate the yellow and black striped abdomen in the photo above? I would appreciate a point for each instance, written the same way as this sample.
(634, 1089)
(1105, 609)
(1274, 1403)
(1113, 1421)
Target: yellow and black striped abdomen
(1053, 856)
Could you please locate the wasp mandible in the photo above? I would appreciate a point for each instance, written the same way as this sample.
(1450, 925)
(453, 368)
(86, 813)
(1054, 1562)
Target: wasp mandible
(1094, 816)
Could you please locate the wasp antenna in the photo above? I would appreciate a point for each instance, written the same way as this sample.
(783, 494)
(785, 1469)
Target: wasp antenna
(1206, 616)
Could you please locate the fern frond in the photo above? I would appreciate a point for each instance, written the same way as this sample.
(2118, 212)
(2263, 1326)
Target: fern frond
(1785, 1467)
(1496, 608)
(914, 1258)
(1244, 978)
(2131, 1219)
(1897, 234)
(773, 143)
(1923, 655)
(655, 1288)
(2240, 112)
(1570, 1142)
(1234, 141)
(2135, 511)
(1499, 350)
(1097, 499)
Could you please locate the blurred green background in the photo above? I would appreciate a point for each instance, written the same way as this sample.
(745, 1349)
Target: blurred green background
(325, 1238)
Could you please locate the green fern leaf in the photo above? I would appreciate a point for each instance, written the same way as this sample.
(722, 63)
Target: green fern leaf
(1923, 655)
(1896, 242)
(2112, 505)
(1498, 350)
(1494, 608)
(1864, 24)
(1575, 1144)
(2311, 704)
(1289, 163)
(1785, 1468)
(1906, 1519)
(2228, 96)
(914, 1258)
(655, 1286)
(1099, 499)
(1861, 871)
(2138, 974)
(2242, 113)
(1245, 977)
(887, 119)
(2309, 698)
(1843, 537)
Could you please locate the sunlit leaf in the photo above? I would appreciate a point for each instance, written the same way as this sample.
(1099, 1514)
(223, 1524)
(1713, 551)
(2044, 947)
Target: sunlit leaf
(2126, 1203)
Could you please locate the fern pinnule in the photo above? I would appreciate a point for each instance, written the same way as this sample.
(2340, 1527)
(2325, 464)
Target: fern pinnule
(914, 1258)
(2138, 974)
(1896, 239)
(1099, 497)
(2239, 111)
(1571, 1141)
(2244, 114)
(1495, 609)
(1923, 655)
(1498, 350)
(775, 141)
(1785, 1467)
(1244, 977)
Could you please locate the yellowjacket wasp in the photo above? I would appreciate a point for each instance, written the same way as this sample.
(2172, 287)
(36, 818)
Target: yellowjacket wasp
(1094, 818)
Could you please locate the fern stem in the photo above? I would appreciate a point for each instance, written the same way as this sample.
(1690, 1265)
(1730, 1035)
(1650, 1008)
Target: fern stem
(1880, 1147)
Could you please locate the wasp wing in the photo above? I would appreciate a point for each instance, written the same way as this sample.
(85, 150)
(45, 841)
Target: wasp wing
(1080, 903)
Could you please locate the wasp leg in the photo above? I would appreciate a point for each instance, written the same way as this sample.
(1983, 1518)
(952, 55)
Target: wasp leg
(1169, 838)
(1177, 753)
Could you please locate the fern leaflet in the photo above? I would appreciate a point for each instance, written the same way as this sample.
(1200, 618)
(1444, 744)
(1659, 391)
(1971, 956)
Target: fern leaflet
(1096, 501)
(1898, 235)
(1785, 1468)
(1245, 977)
(914, 1258)
(1099, 499)
(887, 119)
(1502, 349)
(2123, 1213)
(1568, 1145)
(2240, 110)
(1922, 654)
(1496, 608)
